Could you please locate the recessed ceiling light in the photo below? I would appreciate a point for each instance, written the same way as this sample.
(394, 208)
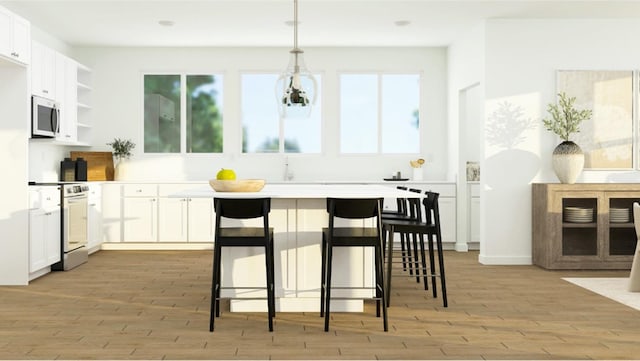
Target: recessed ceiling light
(402, 22)
(166, 22)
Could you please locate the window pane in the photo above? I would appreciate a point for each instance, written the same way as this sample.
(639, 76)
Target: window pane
(359, 113)
(162, 113)
(400, 117)
(261, 119)
(260, 129)
(204, 114)
(304, 135)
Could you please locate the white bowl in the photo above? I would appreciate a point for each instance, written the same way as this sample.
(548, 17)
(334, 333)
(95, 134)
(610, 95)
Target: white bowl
(237, 185)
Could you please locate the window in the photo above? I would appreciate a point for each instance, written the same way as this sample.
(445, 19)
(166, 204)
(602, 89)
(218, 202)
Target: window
(263, 131)
(167, 129)
(379, 113)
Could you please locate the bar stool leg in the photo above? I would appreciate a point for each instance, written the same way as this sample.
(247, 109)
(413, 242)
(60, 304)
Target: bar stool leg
(215, 288)
(389, 244)
(424, 262)
(323, 282)
(380, 291)
(328, 287)
(443, 282)
(267, 261)
(433, 265)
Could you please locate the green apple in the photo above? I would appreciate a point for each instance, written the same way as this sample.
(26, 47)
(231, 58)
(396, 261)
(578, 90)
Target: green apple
(226, 174)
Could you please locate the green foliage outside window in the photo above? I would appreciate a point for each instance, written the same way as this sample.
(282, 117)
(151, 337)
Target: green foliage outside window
(162, 121)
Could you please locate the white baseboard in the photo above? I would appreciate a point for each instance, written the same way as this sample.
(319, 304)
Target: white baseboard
(505, 260)
(156, 246)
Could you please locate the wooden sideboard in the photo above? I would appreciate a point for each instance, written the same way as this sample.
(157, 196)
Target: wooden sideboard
(566, 235)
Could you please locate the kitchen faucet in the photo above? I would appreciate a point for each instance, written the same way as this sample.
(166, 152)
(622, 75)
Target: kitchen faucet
(287, 175)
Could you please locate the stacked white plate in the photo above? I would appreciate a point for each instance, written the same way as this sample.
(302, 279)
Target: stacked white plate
(578, 215)
(619, 215)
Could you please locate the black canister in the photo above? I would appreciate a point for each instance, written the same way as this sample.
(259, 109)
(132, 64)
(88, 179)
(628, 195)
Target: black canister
(67, 170)
(81, 169)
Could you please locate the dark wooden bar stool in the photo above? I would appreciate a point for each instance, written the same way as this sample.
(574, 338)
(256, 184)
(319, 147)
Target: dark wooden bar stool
(428, 225)
(360, 236)
(242, 237)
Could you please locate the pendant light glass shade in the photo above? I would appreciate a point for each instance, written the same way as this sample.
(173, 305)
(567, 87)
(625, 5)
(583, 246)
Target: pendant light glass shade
(296, 87)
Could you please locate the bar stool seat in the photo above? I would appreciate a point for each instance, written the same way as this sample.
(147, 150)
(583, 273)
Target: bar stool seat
(242, 237)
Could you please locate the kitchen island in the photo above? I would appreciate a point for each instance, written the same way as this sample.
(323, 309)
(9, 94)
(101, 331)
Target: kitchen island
(298, 214)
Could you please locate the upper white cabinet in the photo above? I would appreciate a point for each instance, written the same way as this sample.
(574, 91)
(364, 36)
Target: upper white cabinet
(43, 71)
(66, 94)
(57, 77)
(83, 103)
(15, 37)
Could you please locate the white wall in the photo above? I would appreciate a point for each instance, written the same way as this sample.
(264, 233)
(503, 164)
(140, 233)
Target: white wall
(466, 58)
(14, 213)
(521, 59)
(117, 109)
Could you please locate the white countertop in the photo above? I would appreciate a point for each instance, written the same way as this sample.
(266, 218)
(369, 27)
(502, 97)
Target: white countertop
(302, 191)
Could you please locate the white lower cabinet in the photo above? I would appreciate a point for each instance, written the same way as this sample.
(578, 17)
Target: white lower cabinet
(172, 215)
(183, 219)
(44, 227)
(474, 213)
(200, 220)
(94, 218)
(140, 219)
(149, 214)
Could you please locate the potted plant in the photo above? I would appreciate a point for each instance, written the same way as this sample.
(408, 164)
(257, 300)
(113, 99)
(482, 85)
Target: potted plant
(565, 119)
(121, 151)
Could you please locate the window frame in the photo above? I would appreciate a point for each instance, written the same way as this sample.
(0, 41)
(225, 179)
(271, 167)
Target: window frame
(379, 140)
(281, 121)
(183, 111)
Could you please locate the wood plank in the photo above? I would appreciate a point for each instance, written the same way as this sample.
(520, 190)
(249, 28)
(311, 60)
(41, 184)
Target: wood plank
(99, 165)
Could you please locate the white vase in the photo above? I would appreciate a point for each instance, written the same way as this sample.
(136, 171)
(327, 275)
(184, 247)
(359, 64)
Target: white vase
(121, 169)
(417, 174)
(568, 161)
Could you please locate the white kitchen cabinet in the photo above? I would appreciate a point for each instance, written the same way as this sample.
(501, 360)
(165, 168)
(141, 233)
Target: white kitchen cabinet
(43, 73)
(111, 212)
(44, 227)
(140, 213)
(66, 94)
(15, 37)
(474, 213)
(183, 219)
(201, 219)
(94, 218)
(172, 216)
(82, 105)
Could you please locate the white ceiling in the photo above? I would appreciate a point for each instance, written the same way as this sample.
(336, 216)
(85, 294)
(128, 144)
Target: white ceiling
(262, 22)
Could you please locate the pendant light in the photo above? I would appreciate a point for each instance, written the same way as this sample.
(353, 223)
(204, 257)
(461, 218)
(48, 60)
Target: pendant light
(296, 87)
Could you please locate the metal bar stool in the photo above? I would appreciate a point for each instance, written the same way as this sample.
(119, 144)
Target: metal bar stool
(332, 236)
(242, 237)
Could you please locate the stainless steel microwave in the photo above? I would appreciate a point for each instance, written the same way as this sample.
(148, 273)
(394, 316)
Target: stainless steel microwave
(45, 118)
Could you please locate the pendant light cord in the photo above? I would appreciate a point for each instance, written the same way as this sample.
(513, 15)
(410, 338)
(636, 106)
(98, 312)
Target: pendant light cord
(295, 24)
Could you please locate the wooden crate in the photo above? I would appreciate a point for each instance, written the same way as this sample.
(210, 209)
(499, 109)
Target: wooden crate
(99, 165)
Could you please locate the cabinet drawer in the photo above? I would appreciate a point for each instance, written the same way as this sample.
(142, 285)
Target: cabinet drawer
(165, 190)
(140, 190)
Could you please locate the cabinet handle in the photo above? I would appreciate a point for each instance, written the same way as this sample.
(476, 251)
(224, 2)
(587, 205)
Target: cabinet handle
(92, 205)
(45, 91)
(138, 190)
(47, 213)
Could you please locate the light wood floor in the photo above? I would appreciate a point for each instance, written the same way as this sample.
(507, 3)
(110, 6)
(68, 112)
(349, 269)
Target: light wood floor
(155, 305)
